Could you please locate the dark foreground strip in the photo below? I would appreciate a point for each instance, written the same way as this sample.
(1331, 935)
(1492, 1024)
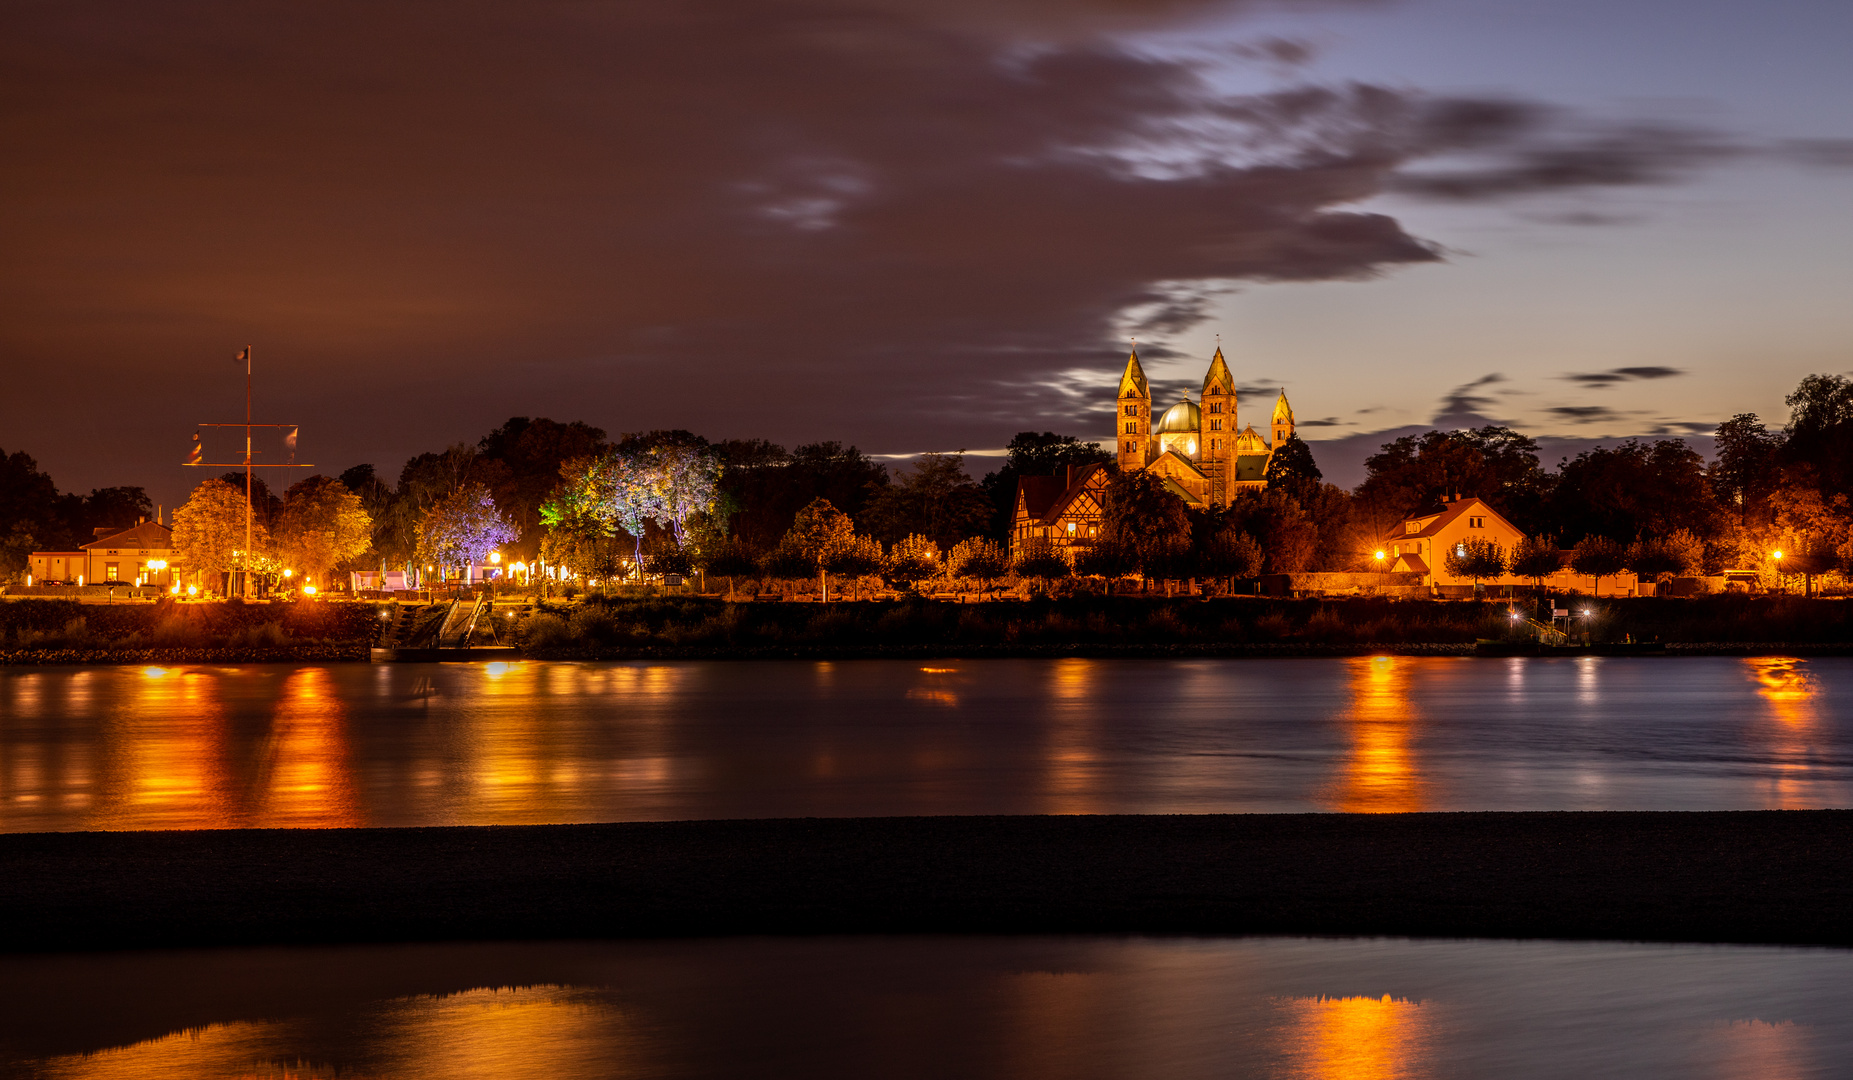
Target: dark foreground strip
(1768, 877)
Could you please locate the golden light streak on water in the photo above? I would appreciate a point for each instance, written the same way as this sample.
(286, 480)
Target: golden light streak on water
(1381, 775)
(1357, 1038)
(1072, 756)
(165, 763)
(488, 1033)
(308, 771)
(1794, 707)
(1758, 1050)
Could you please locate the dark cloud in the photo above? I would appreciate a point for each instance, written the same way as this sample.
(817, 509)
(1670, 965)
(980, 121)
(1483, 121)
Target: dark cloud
(1603, 379)
(1330, 421)
(1585, 414)
(1290, 52)
(1463, 407)
(893, 222)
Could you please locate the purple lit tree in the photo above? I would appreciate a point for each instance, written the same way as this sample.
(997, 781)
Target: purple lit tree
(463, 528)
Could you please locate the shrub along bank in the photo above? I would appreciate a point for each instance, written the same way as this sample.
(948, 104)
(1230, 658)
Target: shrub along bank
(698, 626)
(58, 631)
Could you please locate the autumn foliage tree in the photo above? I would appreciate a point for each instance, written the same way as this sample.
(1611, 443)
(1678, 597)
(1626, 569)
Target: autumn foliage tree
(463, 528)
(321, 525)
(209, 530)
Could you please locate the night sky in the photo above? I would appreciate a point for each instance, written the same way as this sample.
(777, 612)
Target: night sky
(909, 225)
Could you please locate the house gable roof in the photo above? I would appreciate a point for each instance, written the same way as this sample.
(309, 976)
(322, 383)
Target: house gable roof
(1433, 524)
(148, 535)
(1046, 499)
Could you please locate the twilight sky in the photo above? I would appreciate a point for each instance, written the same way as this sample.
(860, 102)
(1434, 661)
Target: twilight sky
(910, 225)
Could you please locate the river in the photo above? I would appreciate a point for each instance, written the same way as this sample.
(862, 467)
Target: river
(353, 745)
(522, 743)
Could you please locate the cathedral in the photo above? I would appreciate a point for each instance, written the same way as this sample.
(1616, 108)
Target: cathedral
(1198, 448)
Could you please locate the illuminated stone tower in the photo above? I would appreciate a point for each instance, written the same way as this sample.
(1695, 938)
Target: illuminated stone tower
(1217, 440)
(1134, 417)
(1283, 420)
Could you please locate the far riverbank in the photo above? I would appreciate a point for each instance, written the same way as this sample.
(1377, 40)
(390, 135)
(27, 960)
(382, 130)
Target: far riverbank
(41, 631)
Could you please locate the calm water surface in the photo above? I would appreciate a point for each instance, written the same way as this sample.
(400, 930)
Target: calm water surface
(953, 1007)
(344, 745)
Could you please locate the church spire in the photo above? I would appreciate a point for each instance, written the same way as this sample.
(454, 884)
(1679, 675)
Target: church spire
(1134, 419)
(1132, 383)
(1283, 420)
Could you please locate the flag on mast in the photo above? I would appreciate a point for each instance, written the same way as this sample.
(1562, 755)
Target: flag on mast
(194, 456)
(244, 353)
(290, 441)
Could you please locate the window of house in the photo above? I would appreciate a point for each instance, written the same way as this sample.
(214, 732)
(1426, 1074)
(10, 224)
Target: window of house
(109, 571)
(1071, 528)
(1476, 523)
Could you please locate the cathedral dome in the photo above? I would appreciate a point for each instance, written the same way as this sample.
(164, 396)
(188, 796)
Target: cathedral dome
(1184, 416)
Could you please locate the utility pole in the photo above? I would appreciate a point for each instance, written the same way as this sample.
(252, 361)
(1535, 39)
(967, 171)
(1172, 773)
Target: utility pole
(249, 462)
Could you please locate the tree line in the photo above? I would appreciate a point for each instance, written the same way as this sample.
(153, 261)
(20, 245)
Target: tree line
(664, 502)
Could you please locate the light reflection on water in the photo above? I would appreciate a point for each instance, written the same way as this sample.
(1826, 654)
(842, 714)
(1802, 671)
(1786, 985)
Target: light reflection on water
(902, 1007)
(525, 742)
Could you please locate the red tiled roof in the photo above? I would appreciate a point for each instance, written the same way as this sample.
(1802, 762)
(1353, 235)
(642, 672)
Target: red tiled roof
(147, 535)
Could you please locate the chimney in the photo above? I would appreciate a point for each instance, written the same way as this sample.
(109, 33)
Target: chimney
(1068, 478)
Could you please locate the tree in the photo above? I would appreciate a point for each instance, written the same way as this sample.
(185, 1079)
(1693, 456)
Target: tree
(463, 528)
(1040, 557)
(979, 558)
(209, 529)
(818, 532)
(729, 559)
(1230, 554)
(1108, 559)
(1031, 453)
(1145, 519)
(1635, 489)
(912, 559)
(1417, 473)
(1475, 559)
(1286, 536)
(936, 499)
(321, 525)
(529, 453)
(1746, 468)
(1599, 557)
(1650, 559)
(1537, 558)
(1291, 469)
(855, 560)
(29, 512)
(1819, 433)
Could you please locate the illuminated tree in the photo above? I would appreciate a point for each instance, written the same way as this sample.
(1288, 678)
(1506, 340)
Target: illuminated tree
(855, 560)
(816, 535)
(209, 529)
(1537, 558)
(463, 528)
(1599, 557)
(1039, 557)
(912, 559)
(1231, 555)
(979, 558)
(322, 524)
(1475, 559)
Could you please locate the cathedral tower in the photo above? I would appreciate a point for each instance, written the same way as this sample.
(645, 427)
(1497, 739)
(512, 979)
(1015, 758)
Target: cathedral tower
(1134, 417)
(1217, 437)
(1283, 420)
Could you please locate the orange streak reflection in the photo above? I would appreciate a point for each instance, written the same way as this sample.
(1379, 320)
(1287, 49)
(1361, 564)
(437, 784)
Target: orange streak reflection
(1794, 706)
(1759, 1050)
(165, 759)
(1380, 775)
(308, 771)
(1357, 1038)
(1073, 753)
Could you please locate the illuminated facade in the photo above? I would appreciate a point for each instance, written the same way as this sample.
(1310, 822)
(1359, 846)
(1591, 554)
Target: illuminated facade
(1198, 447)
(1195, 447)
(141, 555)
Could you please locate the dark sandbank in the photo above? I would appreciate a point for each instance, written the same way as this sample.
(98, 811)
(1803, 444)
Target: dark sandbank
(1751, 877)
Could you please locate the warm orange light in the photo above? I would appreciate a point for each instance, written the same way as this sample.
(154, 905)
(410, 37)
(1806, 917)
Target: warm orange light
(192, 590)
(308, 590)
(1379, 556)
(289, 573)
(1776, 555)
(495, 556)
(1359, 1038)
